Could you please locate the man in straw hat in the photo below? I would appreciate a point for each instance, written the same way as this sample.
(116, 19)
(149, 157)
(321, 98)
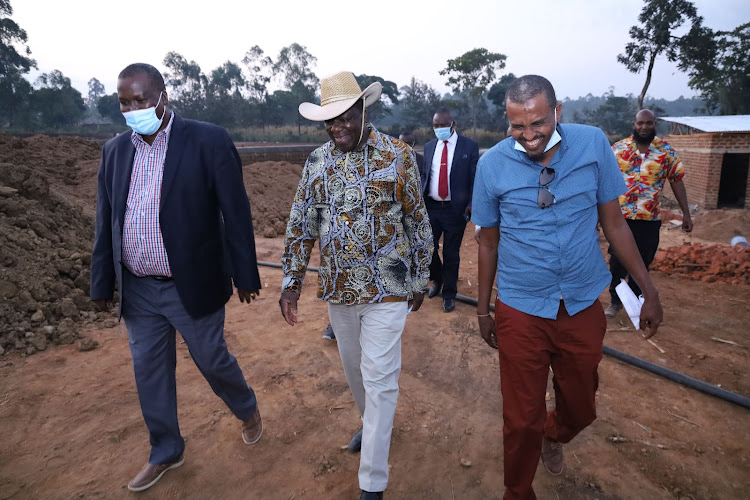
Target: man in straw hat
(359, 195)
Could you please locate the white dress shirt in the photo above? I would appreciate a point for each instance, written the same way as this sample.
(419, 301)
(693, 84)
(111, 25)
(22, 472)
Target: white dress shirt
(435, 168)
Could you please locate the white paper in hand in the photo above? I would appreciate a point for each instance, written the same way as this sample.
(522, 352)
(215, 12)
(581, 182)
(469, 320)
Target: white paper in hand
(631, 302)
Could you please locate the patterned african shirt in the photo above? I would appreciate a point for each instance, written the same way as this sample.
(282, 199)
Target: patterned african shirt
(645, 176)
(367, 211)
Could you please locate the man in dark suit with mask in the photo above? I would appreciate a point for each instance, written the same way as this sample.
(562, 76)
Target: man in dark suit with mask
(448, 183)
(173, 231)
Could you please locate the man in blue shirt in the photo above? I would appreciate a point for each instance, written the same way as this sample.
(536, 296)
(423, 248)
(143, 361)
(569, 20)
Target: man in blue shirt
(544, 188)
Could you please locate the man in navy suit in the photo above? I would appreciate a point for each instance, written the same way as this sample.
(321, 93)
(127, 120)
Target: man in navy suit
(173, 230)
(448, 183)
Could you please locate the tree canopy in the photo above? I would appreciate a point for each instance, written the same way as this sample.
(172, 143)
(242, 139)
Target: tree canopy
(11, 60)
(472, 73)
(718, 63)
(654, 36)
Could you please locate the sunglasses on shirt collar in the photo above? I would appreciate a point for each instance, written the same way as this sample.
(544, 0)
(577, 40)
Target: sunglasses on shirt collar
(545, 198)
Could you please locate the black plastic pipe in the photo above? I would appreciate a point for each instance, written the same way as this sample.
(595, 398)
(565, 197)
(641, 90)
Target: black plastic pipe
(672, 375)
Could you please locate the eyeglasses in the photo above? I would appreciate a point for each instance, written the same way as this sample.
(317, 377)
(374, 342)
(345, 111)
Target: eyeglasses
(545, 198)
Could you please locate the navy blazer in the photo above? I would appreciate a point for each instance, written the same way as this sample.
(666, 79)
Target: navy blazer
(204, 216)
(463, 169)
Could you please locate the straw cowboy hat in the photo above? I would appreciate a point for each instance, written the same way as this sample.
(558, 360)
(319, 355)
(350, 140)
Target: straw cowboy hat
(338, 93)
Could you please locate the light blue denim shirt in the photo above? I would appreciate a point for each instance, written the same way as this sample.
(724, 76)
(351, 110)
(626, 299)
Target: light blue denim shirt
(546, 254)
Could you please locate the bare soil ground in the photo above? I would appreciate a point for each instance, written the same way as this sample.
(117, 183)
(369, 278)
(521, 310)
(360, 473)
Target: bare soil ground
(71, 427)
(70, 422)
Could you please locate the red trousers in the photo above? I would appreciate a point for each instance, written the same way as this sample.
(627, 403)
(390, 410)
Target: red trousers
(528, 346)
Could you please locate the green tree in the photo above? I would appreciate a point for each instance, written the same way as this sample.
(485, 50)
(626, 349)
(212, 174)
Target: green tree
(654, 36)
(225, 103)
(418, 103)
(15, 90)
(294, 67)
(11, 61)
(96, 90)
(294, 64)
(496, 95)
(472, 73)
(718, 64)
(108, 106)
(56, 103)
(15, 102)
(187, 85)
(390, 93)
(260, 72)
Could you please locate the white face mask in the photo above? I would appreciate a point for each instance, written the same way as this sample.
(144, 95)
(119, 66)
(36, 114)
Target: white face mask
(552, 140)
(145, 121)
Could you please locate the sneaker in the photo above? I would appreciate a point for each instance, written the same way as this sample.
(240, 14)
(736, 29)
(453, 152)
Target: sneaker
(328, 334)
(150, 475)
(552, 456)
(612, 310)
(252, 428)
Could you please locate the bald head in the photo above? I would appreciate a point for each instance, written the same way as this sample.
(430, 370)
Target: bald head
(645, 114)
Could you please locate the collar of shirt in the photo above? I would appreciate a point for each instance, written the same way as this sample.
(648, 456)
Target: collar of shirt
(452, 140)
(163, 135)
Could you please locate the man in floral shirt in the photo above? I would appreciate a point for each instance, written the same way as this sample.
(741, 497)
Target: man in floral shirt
(360, 197)
(646, 162)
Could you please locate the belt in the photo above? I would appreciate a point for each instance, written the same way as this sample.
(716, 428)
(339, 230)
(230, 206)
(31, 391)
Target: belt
(433, 201)
(157, 277)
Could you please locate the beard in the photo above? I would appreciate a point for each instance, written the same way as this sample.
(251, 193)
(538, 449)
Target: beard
(644, 139)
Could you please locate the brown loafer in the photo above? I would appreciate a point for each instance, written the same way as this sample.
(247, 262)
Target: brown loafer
(252, 428)
(150, 474)
(552, 456)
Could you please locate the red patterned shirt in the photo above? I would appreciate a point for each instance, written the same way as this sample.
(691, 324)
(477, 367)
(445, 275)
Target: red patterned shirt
(645, 176)
(143, 251)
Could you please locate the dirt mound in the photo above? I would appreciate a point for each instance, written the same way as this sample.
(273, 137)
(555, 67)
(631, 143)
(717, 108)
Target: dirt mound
(722, 225)
(45, 241)
(271, 186)
(718, 226)
(69, 164)
(47, 209)
(709, 263)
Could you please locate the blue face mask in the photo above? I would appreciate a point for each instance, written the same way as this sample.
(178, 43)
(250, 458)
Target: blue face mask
(443, 133)
(145, 121)
(552, 140)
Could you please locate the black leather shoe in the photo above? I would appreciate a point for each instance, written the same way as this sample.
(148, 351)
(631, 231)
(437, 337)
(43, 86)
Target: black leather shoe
(371, 495)
(434, 290)
(355, 445)
(449, 305)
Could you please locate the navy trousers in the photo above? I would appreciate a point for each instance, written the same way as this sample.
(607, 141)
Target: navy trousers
(450, 225)
(153, 312)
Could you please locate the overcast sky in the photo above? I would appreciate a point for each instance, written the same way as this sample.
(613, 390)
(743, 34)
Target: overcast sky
(574, 43)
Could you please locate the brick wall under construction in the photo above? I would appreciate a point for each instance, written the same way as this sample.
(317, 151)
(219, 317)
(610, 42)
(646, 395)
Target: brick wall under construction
(702, 156)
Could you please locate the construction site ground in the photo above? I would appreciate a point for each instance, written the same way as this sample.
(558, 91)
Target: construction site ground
(71, 427)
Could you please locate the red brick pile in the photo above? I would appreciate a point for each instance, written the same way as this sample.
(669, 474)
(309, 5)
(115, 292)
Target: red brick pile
(709, 263)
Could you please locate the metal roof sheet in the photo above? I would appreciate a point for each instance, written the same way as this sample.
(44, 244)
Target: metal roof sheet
(726, 123)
